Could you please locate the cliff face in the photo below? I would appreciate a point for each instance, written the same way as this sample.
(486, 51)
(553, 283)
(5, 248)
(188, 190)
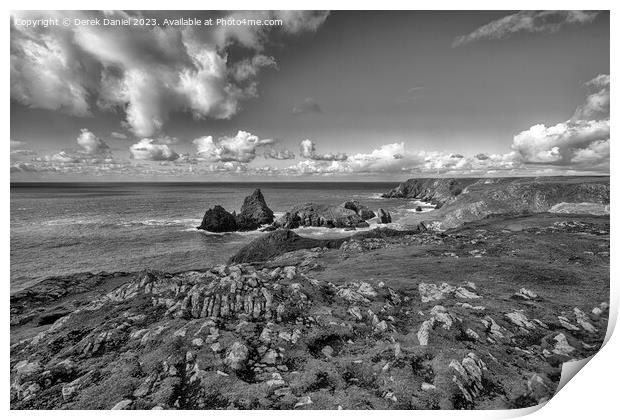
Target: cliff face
(437, 191)
(464, 200)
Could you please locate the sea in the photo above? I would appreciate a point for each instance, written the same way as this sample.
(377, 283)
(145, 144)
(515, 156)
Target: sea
(64, 228)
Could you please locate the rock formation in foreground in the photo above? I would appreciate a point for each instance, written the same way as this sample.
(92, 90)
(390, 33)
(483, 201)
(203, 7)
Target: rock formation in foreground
(254, 213)
(371, 324)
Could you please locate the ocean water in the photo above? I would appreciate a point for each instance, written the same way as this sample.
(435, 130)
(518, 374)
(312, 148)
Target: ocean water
(63, 228)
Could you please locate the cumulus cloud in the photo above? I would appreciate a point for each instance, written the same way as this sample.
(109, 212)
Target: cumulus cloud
(119, 136)
(144, 72)
(308, 106)
(583, 140)
(526, 21)
(148, 149)
(307, 150)
(394, 158)
(248, 68)
(596, 105)
(91, 144)
(239, 148)
(559, 143)
(279, 154)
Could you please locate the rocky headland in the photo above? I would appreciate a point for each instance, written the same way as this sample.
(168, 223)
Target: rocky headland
(460, 200)
(480, 314)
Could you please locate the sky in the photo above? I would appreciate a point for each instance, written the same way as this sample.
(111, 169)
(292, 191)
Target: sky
(308, 95)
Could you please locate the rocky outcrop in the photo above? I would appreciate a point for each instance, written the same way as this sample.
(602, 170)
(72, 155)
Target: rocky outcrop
(384, 216)
(281, 241)
(218, 220)
(277, 243)
(320, 215)
(362, 211)
(254, 212)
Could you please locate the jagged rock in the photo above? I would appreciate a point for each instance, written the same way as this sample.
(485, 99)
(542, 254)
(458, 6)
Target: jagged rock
(562, 347)
(566, 324)
(355, 311)
(525, 294)
(363, 211)
(25, 370)
(237, 356)
(418, 209)
(584, 321)
(218, 220)
(463, 293)
(492, 327)
(430, 292)
(122, 405)
(303, 401)
(520, 320)
(442, 316)
(427, 387)
(384, 216)
(254, 212)
(318, 215)
(425, 330)
(469, 376)
(328, 351)
(472, 334)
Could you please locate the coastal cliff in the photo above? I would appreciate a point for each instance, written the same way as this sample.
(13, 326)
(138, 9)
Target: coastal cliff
(464, 200)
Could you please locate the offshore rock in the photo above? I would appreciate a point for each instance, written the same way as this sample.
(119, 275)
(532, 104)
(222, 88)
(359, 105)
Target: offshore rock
(218, 220)
(254, 212)
(319, 215)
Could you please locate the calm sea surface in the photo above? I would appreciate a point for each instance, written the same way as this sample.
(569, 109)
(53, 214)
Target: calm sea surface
(64, 228)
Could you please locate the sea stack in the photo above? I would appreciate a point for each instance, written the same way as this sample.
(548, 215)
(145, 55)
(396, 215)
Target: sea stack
(384, 216)
(218, 220)
(254, 212)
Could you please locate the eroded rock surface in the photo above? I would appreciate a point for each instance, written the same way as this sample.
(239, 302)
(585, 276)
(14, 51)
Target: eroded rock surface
(372, 324)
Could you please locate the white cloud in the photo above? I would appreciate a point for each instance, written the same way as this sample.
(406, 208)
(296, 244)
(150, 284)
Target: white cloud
(393, 158)
(91, 144)
(249, 68)
(46, 73)
(279, 154)
(147, 149)
(119, 136)
(597, 102)
(145, 72)
(240, 148)
(307, 149)
(583, 140)
(526, 21)
(558, 143)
